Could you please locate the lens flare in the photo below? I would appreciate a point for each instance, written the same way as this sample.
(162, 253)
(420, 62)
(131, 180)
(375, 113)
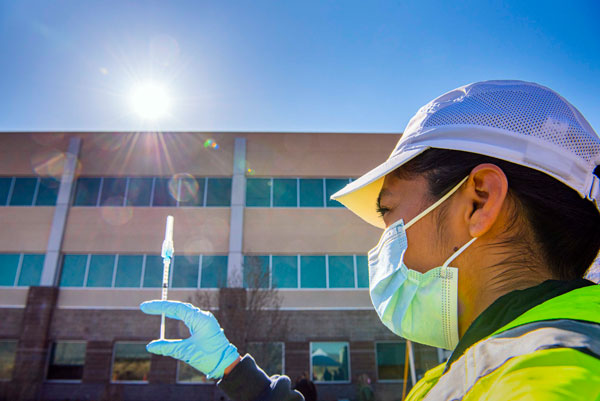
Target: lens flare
(188, 188)
(211, 144)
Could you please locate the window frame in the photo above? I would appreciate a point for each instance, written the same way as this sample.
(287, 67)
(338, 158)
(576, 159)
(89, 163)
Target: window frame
(112, 363)
(210, 382)
(49, 357)
(282, 343)
(310, 350)
(16, 341)
(377, 360)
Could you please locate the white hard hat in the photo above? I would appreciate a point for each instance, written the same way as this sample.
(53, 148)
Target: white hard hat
(520, 122)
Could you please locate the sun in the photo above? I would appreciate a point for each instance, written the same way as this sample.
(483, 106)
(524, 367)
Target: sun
(150, 101)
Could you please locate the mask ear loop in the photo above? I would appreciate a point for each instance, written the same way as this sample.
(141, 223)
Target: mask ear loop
(436, 204)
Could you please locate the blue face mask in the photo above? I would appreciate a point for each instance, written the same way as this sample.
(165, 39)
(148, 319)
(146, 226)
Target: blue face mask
(420, 307)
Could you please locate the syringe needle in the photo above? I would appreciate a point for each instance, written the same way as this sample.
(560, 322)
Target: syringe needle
(167, 255)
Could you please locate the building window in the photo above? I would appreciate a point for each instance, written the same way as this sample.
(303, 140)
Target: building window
(31, 270)
(341, 272)
(100, 271)
(362, 271)
(218, 192)
(311, 193)
(28, 191)
(20, 269)
(313, 272)
(139, 192)
(390, 360)
(332, 185)
(153, 272)
(306, 271)
(214, 271)
(285, 271)
(185, 271)
(5, 184)
(23, 191)
(47, 192)
(256, 271)
(426, 358)
(66, 360)
(10, 265)
(189, 375)
(8, 351)
(129, 270)
(126, 271)
(165, 192)
(131, 362)
(73, 270)
(285, 192)
(191, 191)
(178, 191)
(329, 362)
(258, 192)
(268, 355)
(86, 192)
(293, 192)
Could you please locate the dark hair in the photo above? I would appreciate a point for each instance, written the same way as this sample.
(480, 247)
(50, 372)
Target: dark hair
(565, 227)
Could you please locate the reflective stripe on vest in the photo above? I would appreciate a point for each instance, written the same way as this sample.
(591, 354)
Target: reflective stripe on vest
(488, 355)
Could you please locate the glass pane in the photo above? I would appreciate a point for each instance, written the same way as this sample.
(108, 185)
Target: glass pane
(8, 350)
(330, 361)
(139, 191)
(312, 272)
(187, 374)
(31, 270)
(153, 273)
(256, 271)
(258, 192)
(87, 190)
(23, 191)
(191, 191)
(73, 270)
(426, 358)
(5, 183)
(185, 272)
(129, 271)
(131, 362)
(332, 185)
(218, 192)
(311, 192)
(362, 271)
(47, 192)
(390, 360)
(8, 268)
(101, 271)
(113, 192)
(269, 356)
(165, 191)
(285, 193)
(285, 272)
(341, 272)
(66, 361)
(214, 272)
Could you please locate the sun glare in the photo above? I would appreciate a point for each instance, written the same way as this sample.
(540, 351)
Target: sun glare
(150, 101)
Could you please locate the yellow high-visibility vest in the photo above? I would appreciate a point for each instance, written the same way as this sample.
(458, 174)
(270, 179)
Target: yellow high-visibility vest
(549, 353)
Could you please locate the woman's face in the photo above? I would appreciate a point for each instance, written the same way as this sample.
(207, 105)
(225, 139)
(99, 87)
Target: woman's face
(405, 199)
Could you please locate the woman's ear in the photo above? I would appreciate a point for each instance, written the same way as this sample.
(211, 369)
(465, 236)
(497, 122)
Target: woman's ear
(487, 188)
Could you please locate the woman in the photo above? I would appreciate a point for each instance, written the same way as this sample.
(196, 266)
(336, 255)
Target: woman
(490, 208)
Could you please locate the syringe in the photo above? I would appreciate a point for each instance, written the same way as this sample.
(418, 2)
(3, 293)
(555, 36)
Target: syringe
(167, 254)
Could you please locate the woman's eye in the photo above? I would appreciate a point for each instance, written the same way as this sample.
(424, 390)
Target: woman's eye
(382, 210)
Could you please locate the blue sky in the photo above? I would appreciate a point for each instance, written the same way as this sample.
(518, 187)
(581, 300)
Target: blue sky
(342, 66)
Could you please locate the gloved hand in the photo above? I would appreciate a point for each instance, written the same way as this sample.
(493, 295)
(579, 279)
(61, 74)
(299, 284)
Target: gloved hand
(207, 349)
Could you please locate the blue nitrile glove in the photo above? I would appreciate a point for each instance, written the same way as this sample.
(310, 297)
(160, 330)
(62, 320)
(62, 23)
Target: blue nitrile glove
(207, 349)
